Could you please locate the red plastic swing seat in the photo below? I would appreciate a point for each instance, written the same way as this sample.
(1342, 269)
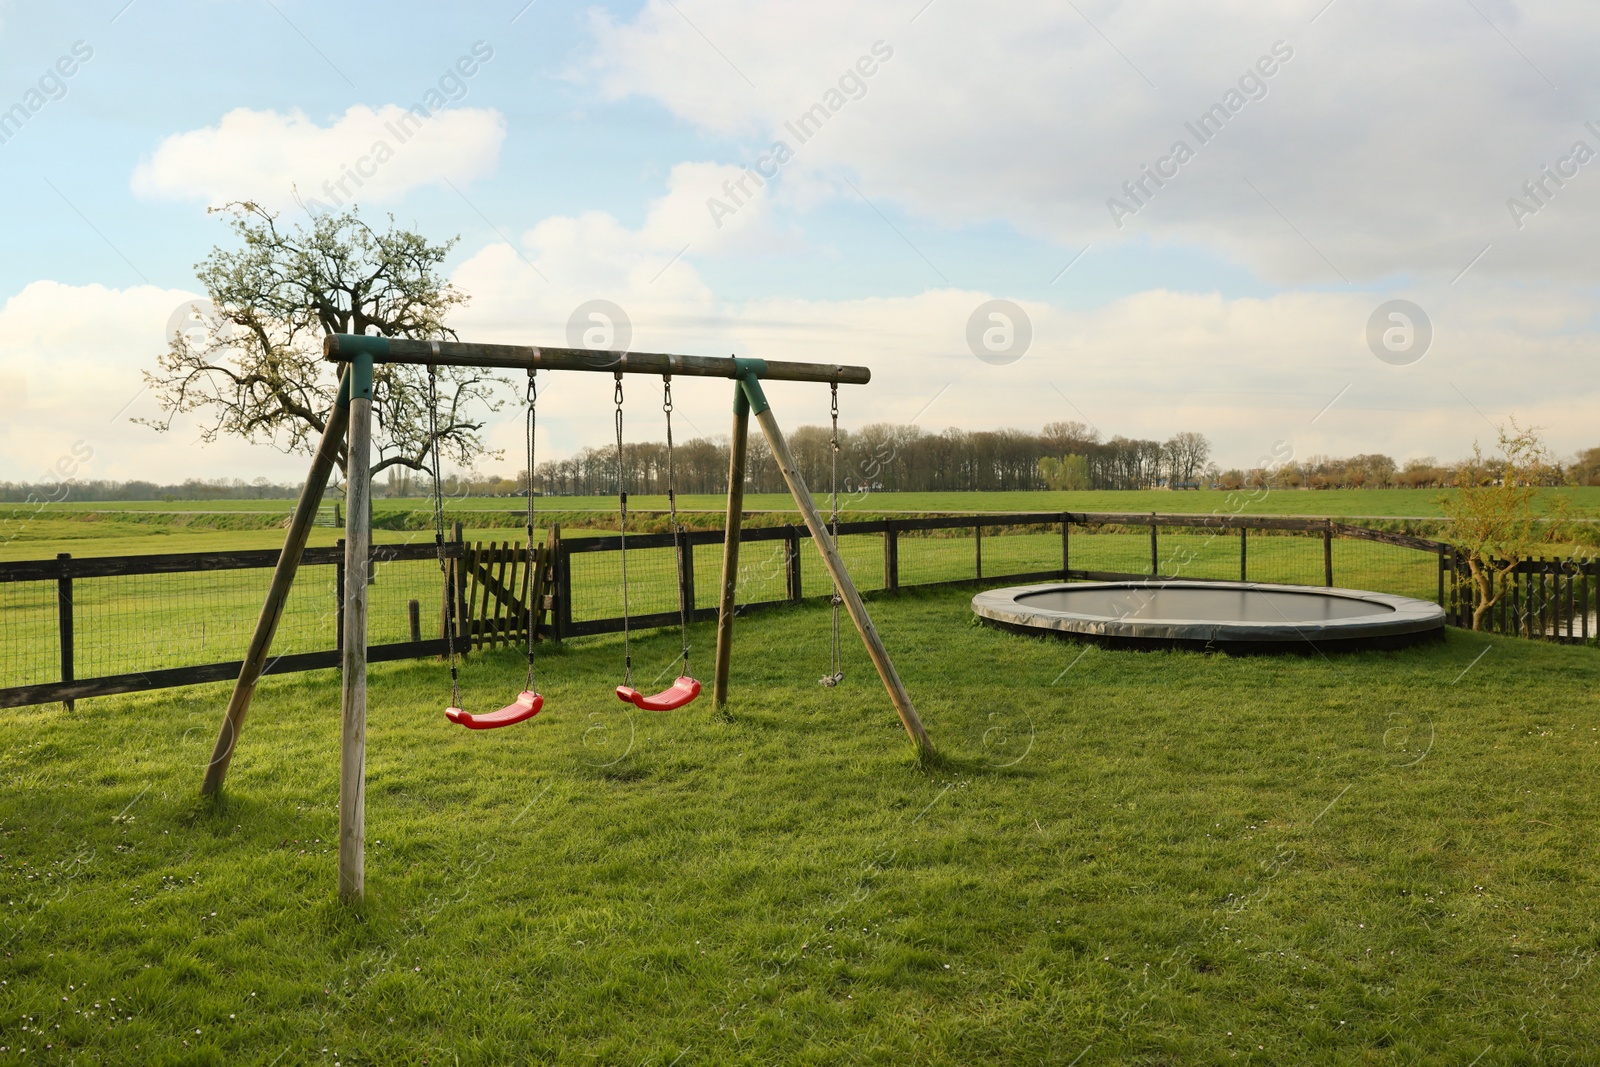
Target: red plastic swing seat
(527, 705)
(683, 690)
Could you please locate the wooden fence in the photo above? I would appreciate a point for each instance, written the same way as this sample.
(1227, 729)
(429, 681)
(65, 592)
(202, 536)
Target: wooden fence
(1544, 599)
(494, 583)
(65, 572)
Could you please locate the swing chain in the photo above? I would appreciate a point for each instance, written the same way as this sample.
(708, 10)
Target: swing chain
(438, 536)
(533, 426)
(836, 672)
(622, 540)
(679, 534)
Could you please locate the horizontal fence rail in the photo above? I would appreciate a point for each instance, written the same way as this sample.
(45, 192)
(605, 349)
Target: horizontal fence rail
(79, 627)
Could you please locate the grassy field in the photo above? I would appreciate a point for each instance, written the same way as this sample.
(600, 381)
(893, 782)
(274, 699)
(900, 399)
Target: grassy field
(131, 623)
(1335, 503)
(121, 528)
(1119, 857)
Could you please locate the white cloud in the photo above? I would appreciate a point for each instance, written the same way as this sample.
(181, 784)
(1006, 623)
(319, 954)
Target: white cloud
(73, 357)
(1247, 372)
(1390, 142)
(376, 155)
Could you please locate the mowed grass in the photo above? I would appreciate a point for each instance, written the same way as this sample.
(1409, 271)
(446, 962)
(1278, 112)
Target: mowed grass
(1118, 857)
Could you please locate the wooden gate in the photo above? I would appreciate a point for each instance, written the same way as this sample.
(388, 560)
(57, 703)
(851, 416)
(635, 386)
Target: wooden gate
(1543, 599)
(495, 582)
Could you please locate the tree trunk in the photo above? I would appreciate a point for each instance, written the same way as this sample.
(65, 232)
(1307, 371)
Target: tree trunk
(1484, 580)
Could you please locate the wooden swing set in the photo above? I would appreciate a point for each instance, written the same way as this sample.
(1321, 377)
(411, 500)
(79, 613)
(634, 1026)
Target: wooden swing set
(350, 422)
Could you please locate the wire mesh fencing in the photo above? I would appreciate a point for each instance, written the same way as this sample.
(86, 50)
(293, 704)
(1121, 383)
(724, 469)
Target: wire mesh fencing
(84, 627)
(30, 653)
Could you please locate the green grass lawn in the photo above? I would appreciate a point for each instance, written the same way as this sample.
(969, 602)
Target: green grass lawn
(1119, 857)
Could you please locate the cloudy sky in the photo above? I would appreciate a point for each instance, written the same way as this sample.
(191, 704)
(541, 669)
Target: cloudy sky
(1200, 215)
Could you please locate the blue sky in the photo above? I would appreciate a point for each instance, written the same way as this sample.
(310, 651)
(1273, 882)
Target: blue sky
(1376, 161)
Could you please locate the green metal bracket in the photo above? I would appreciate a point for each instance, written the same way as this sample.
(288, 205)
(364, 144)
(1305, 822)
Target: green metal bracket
(748, 373)
(361, 344)
(360, 380)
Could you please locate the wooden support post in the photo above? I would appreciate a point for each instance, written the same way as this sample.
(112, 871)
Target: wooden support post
(1154, 552)
(1327, 555)
(1066, 548)
(891, 556)
(791, 548)
(977, 550)
(730, 546)
(64, 621)
(357, 559)
(294, 544)
(841, 577)
(414, 617)
(1244, 558)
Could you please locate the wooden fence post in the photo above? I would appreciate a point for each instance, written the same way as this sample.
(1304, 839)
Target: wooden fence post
(461, 607)
(977, 550)
(1516, 601)
(1154, 555)
(1327, 555)
(686, 572)
(1066, 547)
(338, 597)
(1244, 550)
(561, 568)
(791, 548)
(1583, 598)
(64, 622)
(891, 556)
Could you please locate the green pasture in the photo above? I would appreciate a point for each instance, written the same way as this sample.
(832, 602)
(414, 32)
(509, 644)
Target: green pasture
(1117, 857)
(148, 622)
(130, 528)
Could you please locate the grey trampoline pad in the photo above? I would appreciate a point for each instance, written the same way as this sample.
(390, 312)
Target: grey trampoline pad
(1212, 604)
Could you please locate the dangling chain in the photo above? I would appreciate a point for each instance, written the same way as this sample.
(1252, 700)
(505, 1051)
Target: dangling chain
(679, 534)
(533, 584)
(438, 537)
(622, 542)
(836, 673)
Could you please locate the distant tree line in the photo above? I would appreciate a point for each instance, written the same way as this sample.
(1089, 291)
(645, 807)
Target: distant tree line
(1375, 470)
(890, 458)
(191, 489)
(880, 457)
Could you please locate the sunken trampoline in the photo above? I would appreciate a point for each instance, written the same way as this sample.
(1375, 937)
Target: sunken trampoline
(1227, 616)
